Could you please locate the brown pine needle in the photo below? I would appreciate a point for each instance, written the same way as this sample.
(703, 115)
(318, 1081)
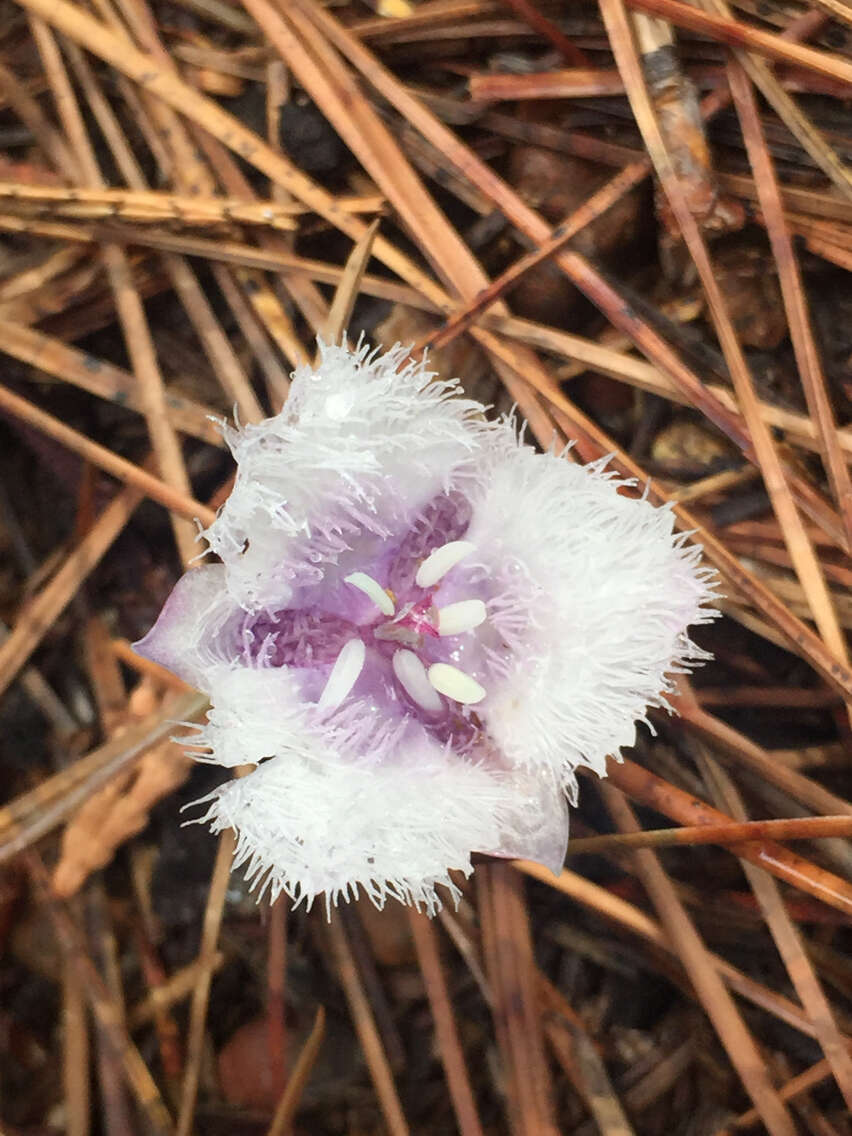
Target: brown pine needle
(717, 1002)
(135, 1070)
(133, 475)
(795, 303)
(446, 1031)
(155, 206)
(201, 991)
(806, 828)
(155, 215)
(365, 1027)
(340, 311)
(285, 1113)
(745, 35)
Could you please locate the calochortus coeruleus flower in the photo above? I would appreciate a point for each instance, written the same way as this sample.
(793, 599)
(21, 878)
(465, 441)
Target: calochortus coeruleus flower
(418, 630)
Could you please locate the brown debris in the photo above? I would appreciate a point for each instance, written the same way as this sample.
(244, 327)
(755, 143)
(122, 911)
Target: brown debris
(190, 193)
(675, 101)
(555, 185)
(120, 810)
(755, 296)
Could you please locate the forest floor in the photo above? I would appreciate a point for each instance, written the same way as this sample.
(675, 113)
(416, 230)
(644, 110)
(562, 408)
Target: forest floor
(633, 222)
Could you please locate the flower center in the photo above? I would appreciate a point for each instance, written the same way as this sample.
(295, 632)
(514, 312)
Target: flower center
(406, 627)
(413, 648)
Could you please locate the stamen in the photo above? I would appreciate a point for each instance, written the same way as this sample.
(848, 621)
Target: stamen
(344, 674)
(414, 680)
(440, 561)
(461, 616)
(455, 684)
(373, 589)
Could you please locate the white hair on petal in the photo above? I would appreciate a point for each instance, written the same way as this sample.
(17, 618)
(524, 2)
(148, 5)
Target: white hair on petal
(562, 624)
(260, 713)
(593, 592)
(253, 709)
(314, 479)
(306, 828)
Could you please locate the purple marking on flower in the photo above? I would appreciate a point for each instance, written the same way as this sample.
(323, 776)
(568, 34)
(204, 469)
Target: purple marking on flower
(419, 630)
(443, 519)
(300, 638)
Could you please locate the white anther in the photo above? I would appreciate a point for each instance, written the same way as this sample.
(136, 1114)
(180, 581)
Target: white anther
(373, 589)
(414, 680)
(455, 683)
(439, 562)
(344, 674)
(461, 616)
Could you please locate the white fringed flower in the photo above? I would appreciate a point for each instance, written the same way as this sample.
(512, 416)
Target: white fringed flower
(419, 630)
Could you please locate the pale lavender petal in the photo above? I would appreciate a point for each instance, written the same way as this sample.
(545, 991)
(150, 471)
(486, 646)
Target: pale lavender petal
(535, 826)
(188, 635)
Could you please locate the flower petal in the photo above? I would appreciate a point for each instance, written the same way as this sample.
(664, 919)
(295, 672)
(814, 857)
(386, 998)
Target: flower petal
(361, 446)
(256, 713)
(535, 826)
(592, 592)
(188, 630)
(306, 827)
